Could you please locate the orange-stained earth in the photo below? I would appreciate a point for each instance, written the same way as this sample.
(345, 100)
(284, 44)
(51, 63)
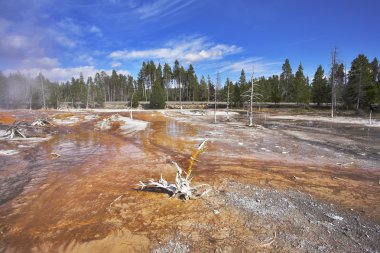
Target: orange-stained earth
(280, 186)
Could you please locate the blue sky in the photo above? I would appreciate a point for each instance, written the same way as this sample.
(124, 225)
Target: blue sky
(63, 38)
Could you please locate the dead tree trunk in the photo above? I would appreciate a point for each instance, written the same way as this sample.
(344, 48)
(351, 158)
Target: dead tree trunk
(251, 103)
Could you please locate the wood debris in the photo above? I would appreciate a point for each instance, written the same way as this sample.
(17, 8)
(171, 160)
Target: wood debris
(55, 155)
(181, 188)
(14, 131)
(42, 122)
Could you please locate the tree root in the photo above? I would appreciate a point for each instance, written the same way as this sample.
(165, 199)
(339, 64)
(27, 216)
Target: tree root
(181, 188)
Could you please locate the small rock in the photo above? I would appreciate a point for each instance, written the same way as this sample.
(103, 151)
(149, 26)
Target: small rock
(216, 212)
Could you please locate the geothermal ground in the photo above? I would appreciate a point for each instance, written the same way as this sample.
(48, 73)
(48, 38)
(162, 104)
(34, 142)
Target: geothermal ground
(297, 181)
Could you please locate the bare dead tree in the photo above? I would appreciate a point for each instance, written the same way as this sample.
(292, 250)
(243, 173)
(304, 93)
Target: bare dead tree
(130, 112)
(216, 88)
(180, 92)
(228, 97)
(88, 93)
(43, 91)
(333, 88)
(208, 89)
(251, 102)
(252, 96)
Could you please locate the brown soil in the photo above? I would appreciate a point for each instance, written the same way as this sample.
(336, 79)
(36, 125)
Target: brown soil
(296, 199)
(6, 119)
(115, 125)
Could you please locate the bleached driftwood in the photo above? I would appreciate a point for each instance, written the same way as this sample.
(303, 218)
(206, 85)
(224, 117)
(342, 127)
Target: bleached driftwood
(13, 132)
(41, 123)
(106, 122)
(181, 188)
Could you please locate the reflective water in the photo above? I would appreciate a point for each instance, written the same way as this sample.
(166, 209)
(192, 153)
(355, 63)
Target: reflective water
(49, 203)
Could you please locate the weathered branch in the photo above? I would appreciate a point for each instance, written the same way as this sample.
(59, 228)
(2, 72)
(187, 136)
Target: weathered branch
(181, 188)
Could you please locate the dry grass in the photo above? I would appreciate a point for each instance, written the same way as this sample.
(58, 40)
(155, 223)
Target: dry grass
(63, 115)
(115, 125)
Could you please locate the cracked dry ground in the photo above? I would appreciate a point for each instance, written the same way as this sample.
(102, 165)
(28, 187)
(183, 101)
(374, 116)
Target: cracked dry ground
(274, 190)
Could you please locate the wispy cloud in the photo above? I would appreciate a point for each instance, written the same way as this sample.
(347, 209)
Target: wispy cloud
(188, 50)
(62, 39)
(115, 64)
(67, 25)
(161, 8)
(259, 65)
(43, 62)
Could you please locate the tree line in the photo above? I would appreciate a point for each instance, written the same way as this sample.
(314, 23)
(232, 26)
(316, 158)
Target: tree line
(354, 88)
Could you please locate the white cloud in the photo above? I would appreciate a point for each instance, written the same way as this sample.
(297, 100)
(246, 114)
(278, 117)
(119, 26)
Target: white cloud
(44, 62)
(115, 64)
(62, 39)
(258, 64)
(18, 43)
(68, 25)
(94, 29)
(85, 58)
(65, 74)
(189, 50)
(14, 41)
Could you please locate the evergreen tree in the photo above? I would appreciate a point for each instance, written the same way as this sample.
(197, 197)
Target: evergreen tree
(209, 89)
(3, 91)
(167, 79)
(236, 95)
(243, 80)
(275, 94)
(239, 88)
(177, 78)
(319, 89)
(301, 89)
(265, 89)
(203, 89)
(158, 76)
(191, 88)
(158, 97)
(375, 72)
(286, 82)
(361, 88)
(340, 88)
